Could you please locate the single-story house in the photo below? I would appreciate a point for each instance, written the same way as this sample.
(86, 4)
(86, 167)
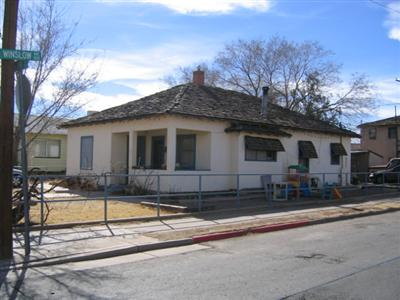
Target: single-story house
(47, 144)
(195, 129)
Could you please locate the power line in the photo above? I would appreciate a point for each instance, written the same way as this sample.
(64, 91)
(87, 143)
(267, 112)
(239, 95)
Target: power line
(385, 6)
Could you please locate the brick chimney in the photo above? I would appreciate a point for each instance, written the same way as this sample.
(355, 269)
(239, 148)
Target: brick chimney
(198, 76)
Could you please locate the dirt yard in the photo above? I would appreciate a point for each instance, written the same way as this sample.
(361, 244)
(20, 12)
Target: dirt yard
(65, 212)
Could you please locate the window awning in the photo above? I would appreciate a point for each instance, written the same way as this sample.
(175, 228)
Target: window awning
(307, 150)
(256, 143)
(338, 149)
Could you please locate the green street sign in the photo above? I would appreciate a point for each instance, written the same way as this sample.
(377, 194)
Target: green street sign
(12, 54)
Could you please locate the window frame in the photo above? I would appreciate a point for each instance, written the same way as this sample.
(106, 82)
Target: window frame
(90, 165)
(372, 133)
(273, 155)
(392, 132)
(47, 150)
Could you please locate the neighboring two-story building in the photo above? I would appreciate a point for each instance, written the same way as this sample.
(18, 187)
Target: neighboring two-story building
(381, 138)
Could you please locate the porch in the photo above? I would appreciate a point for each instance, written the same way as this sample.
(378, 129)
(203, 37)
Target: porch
(161, 151)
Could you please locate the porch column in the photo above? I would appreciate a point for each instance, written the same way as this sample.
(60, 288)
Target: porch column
(171, 148)
(132, 149)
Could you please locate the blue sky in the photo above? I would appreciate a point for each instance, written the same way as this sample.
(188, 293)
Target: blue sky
(139, 42)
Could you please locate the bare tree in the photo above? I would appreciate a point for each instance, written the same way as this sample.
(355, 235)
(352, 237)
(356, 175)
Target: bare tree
(41, 28)
(240, 66)
(302, 77)
(183, 75)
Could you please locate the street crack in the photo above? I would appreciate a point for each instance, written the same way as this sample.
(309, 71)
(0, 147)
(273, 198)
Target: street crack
(311, 256)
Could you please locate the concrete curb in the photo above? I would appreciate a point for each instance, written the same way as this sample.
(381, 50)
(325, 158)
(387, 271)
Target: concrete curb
(349, 217)
(279, 226)
(283, 226)
(101, 254)
(240, 232)
(219, 235)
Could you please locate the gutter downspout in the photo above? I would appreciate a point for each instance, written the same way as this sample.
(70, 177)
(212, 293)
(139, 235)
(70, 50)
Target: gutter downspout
(341, 164)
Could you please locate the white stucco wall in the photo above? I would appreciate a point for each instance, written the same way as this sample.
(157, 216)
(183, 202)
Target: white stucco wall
(216, 159)
(290, 157)
(223, 152)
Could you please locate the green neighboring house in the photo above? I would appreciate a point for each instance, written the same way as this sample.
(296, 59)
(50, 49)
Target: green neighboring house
(47, 144)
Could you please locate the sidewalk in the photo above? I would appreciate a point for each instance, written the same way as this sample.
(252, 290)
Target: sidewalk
(94, 242)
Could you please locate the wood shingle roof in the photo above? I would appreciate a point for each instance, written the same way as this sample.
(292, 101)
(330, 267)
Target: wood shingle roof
(208, 102)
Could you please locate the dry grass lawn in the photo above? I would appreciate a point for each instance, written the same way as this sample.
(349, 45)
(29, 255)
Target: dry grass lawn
(65, 212)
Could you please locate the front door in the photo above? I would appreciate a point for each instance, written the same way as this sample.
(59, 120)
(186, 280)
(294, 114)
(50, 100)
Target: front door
(157, 152)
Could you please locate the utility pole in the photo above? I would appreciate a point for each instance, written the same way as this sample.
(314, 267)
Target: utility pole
(6, 129)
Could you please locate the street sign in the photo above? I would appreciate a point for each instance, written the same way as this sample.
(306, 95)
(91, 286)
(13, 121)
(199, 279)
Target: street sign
(12, 54)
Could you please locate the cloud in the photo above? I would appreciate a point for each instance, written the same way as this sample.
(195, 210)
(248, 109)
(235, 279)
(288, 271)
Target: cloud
(387, 92)
(392, 21)
(129, 75)
(111, 88)
(152, 63)
(205, 6)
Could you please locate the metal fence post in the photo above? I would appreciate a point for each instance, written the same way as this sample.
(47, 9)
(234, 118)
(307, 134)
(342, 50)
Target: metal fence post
(41, 202)
(105, 198)
(158, 195)
(238, 190)
(199, 204)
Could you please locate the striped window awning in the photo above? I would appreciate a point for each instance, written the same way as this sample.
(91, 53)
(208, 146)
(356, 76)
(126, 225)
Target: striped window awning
(256, 143)
(307, 150)
(338, 149)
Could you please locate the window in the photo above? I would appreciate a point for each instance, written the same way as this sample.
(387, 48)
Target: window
(335, 159)
(260, 155)
(158, 152)
(372, 133)
(186, 152)
(392, 132)
(86, 153)
(306, 151)
(46, 148)
(141, 151)
(262, 149)
(337, 150)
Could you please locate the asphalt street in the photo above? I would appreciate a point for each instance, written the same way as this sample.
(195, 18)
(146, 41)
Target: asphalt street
(355, 259)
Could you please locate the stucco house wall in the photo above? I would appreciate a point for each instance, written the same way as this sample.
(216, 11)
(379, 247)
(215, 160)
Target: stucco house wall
(217, 152)
(318, 167)
(382, 144)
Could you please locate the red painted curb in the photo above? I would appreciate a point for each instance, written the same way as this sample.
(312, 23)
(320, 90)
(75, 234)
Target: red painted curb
(279, 226)
(235, 233)
(219, 235)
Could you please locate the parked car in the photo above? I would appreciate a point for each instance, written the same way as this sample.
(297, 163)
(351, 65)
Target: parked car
(17, 177)
(389, 174)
